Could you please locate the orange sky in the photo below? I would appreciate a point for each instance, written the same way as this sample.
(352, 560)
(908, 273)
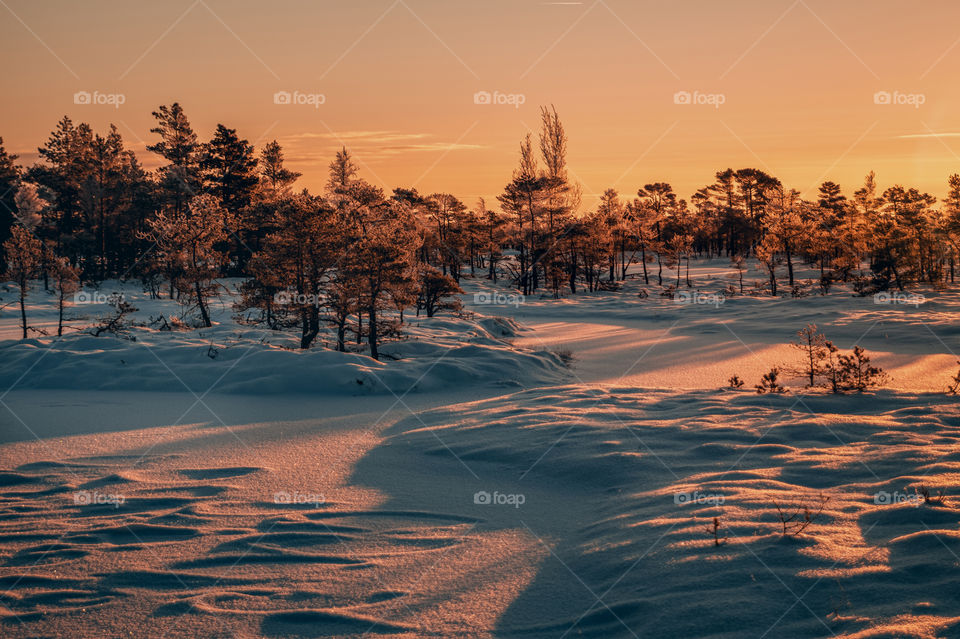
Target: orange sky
(797, 80)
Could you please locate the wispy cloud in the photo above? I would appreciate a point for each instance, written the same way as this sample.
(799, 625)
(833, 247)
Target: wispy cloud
(369, 137)
(371, 145)
(945, 134)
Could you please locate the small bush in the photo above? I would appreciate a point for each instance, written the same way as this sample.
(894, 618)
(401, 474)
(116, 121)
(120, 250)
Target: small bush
(565, 355)
(794, 520)
(117, 324)
(940, 499)
(769, 383)
(735, 382)
(714, 530)
(954, 386)
(856, 372)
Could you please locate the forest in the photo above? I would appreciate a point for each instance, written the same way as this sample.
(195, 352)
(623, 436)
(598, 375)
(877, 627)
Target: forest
(355, 258)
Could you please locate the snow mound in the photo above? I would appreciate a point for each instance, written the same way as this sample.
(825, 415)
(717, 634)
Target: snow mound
(436, 353)
(644, 472)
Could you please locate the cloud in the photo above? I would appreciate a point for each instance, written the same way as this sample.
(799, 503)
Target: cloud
(946, 134)
(368, 137)
(367, 145)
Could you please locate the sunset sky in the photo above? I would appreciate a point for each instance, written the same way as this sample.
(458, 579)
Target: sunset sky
(797, 80)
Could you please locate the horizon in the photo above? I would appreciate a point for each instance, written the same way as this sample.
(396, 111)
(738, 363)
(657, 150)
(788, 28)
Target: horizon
(849, 105)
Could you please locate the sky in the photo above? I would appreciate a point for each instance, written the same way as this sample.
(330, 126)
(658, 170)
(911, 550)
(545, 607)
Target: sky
(437, 94)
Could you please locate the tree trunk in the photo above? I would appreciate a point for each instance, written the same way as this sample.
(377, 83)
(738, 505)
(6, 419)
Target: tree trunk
(372, 332)
(23, 310)
(60, 317)
(204, 316)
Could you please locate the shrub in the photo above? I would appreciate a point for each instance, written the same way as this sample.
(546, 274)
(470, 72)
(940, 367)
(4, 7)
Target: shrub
(856, 372)
(714, 530)
(794, 520)
(954, 386)
(769, 383)
(735, 382)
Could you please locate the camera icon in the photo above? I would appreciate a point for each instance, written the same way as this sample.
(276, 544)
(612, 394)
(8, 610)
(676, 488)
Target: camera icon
(82, 297)
(283, 297)
(282, 498)
(282, 97)
(482, 497)
(482, 298)
(82, 97)
(882, 97)
(883, 498)
(682, 97)
(681, 498)
(482, 97)
(82, 498)
(881, 298)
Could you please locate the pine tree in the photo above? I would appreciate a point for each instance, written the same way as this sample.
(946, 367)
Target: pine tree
(66, 282)
(178, 145)
(813, 345)
(9, 176)
(189, 244)
(22, 251)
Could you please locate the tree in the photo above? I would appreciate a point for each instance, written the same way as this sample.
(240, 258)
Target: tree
(66, 282)
(379, 260)
(813, 345)
(297, 260)
(22, 250)
(658, 202)
(274, 176)
(178, 145)
(856, 372)
(9, 176)
(228, 171)
(189, 242)
(437, 291)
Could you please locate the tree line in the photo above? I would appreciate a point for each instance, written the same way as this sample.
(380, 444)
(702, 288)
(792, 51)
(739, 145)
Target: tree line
(355, 258)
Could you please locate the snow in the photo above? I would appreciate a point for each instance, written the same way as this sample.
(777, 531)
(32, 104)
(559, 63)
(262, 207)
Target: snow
(436, 353)
(506, 495)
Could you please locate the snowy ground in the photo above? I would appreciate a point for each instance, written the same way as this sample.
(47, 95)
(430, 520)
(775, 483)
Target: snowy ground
(540, 502)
